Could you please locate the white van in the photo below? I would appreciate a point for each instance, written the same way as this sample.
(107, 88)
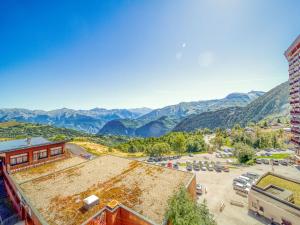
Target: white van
(247, 179)
(241, 187)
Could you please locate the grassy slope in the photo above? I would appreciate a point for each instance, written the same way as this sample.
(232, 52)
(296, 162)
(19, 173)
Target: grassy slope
(15, 130)
(21, 130)
(98, 149)
(276, 156)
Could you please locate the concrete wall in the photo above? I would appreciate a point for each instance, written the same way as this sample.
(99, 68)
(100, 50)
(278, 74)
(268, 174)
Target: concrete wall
(270, 210)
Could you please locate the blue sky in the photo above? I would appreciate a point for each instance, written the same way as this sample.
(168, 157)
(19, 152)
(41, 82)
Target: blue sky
(125, 54)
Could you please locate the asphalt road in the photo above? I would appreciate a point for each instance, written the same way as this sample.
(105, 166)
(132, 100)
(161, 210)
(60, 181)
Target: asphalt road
(76, 149)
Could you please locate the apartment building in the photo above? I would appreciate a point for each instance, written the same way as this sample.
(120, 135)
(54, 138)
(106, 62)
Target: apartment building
(292, 54)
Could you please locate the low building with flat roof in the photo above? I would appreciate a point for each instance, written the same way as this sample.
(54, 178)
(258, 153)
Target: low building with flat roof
(277, 198)
(24, 153)
(128, 191)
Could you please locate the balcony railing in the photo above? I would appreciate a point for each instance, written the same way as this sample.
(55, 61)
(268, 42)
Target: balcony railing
(295, 122)
(295, 131)
(294, 102)
(295, 141)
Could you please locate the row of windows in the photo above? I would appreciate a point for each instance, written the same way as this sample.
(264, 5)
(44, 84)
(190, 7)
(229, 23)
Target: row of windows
(56, 151)
(37, 155)
(18, 159)
(40, 154)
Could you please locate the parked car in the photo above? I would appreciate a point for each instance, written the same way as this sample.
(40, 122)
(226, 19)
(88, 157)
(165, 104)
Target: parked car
(275, 162)
(284, 162)
(253, 175)
(229, 161)
(266, 161)
(247, 179)
(150, 159)
(170, 165)
(258, 161)
(189, 167)
(210, 167)
(226, 169)
(218, 168)
(199, 189)
(239, 180)
(203, 168)
(238, 185)
(196, 167)
(241, 187)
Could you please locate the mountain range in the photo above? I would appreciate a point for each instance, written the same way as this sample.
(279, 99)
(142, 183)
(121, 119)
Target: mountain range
(163, 120)
(145, 122)
(273, 103)
(90, 121)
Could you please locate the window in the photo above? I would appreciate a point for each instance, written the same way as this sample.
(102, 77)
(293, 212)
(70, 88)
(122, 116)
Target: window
(261, 208)
(19, 159)
(56, 151)
(41, 154)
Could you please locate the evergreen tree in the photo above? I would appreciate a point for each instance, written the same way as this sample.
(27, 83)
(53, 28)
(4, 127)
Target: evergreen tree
(183, 210)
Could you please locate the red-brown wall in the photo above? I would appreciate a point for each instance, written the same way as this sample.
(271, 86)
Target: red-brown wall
(9, 184)
(30, 154)
(120, 216)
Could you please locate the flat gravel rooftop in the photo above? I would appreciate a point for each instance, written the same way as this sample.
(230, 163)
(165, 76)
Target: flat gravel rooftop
(145, 188)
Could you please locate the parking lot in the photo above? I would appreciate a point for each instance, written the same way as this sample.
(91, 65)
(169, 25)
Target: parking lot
(220, 189)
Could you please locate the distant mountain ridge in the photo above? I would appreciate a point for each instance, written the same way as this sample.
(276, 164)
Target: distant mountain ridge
(184, 109)
(160, 121)
(133, 128)
(273, 103)
(90, 121)
(142, 122)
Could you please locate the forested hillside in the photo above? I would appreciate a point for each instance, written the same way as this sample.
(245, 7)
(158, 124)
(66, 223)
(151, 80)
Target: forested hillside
(273, 103)
(16, 130)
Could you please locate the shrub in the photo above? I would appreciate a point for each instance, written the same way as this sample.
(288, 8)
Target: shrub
(244, 153)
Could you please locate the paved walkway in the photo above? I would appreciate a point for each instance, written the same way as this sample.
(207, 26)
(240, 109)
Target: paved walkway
(78, 150)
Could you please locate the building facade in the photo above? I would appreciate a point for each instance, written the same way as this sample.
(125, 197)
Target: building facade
(32, 167)
(292, 54)
(25, 153)
(279, 204)
(22, 154)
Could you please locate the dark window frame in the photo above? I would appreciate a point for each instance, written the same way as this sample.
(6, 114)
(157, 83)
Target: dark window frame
(18, 156)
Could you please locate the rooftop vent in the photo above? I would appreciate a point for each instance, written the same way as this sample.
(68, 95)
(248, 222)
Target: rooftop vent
(90, 201)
